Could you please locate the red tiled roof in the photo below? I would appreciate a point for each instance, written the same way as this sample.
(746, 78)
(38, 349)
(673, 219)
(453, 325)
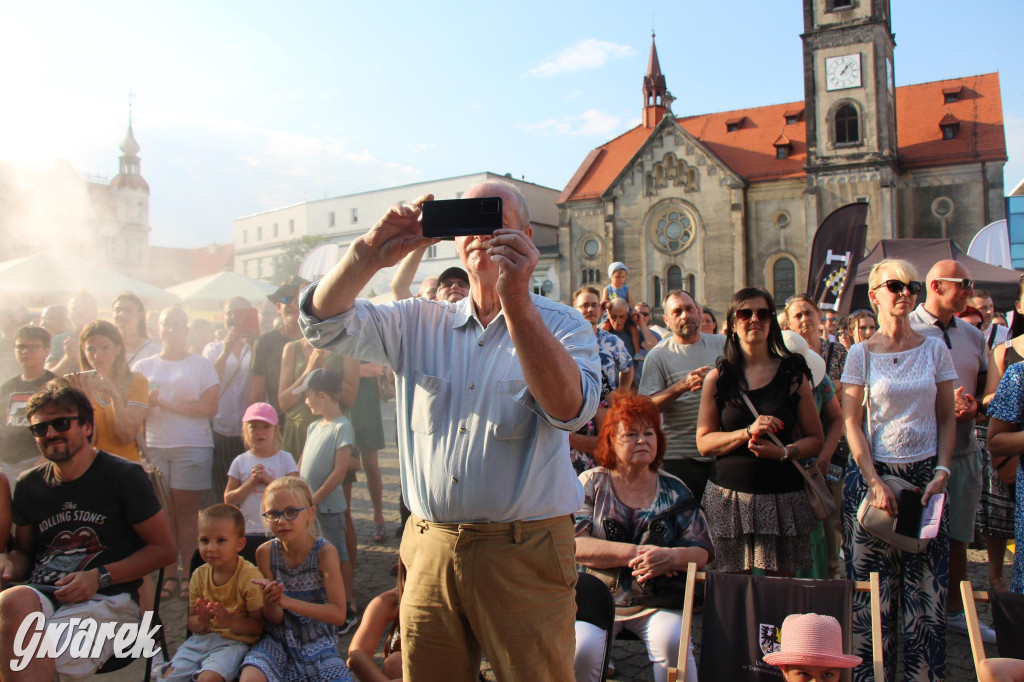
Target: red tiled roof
(750, 151)
(920, 108)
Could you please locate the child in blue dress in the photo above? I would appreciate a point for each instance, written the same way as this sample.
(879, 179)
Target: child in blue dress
(303, 595)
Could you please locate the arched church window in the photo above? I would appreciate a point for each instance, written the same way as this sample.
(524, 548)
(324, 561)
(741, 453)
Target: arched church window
(675, 278)
(784, 280)
(691, 285)
(847, 123)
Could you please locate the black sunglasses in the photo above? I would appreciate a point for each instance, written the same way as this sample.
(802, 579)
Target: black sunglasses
(895, 286)
(60, 425)
(747, 314)
(286, 300)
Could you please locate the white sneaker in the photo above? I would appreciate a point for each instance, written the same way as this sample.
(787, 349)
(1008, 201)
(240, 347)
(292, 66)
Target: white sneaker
(958, 621)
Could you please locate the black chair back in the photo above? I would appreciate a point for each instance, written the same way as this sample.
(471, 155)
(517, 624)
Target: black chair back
(594, 605)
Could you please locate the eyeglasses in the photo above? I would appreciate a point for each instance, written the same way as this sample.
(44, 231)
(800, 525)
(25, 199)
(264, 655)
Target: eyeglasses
(60, 425)
(287, 300)
(747, 314)
(963, 283)
(451, 283)
(896, 287)
(289, 514)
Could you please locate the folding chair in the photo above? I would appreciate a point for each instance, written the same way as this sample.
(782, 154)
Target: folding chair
(692, 576)
(594, 605)
(1007, 616)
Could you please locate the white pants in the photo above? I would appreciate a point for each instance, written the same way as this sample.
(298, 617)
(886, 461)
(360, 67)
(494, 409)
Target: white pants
(659, 631)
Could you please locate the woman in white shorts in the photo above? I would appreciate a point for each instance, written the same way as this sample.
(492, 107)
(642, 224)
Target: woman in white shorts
(184, 390)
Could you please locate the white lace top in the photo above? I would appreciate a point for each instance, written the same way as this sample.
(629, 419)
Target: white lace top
(902, 398)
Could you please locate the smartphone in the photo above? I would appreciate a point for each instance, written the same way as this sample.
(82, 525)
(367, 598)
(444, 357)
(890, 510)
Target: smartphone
(87, 374)
(245, 321)
(450, 218)
(908, 520)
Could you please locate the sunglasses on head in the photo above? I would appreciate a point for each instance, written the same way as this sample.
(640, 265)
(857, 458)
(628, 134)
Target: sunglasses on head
(60, 425)
(895, 286)
(963, 283)
(747, 314)
(289, 514)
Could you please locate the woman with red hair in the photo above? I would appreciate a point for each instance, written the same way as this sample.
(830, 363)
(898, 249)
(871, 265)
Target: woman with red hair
(638, 529)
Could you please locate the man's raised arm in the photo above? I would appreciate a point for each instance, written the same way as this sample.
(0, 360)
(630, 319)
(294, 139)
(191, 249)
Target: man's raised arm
(395, 235)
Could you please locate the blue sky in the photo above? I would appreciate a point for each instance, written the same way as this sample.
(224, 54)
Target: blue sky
(243, 107)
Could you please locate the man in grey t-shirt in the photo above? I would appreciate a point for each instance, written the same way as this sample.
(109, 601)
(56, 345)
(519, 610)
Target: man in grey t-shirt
(673, 376)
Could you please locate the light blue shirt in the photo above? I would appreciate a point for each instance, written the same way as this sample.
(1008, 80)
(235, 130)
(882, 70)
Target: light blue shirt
(474, 444)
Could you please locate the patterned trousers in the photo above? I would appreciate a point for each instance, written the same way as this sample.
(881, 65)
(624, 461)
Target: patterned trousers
(912, 584)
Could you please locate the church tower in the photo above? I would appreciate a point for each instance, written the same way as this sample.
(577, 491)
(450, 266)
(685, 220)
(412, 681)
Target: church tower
(126, 242)
(850, 108)
(656, 96)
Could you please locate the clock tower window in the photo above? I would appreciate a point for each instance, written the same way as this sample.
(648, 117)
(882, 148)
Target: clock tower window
(847, 125)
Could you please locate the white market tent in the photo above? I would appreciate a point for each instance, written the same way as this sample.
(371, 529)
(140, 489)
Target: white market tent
(46, 276)
(208, 293)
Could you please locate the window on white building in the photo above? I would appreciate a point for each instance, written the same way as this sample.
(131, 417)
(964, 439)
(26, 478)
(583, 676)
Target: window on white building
(355, 215)
(330, 219)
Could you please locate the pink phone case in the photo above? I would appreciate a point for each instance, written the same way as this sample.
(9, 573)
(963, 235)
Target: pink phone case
(932, 516)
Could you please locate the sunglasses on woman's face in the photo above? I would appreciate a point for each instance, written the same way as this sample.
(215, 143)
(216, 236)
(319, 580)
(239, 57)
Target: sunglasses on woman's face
(747, 314)
(895, 286)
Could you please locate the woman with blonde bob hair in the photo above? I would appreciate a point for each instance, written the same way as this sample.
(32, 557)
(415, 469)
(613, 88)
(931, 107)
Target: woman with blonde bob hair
(119, 397)
(898, 409)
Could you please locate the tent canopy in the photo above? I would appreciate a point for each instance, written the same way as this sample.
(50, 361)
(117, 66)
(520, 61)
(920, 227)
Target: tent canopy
(44, 276)
(1002, 283)
(208, 293)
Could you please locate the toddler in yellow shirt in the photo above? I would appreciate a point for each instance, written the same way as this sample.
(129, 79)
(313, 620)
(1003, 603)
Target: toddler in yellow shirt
(225, 614)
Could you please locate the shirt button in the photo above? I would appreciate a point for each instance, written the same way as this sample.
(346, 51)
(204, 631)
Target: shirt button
(454, 480)
(479, 343)
(462, 429)
(472, 386)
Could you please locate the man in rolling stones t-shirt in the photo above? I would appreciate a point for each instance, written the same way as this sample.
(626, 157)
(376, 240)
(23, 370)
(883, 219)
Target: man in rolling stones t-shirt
(88, 527)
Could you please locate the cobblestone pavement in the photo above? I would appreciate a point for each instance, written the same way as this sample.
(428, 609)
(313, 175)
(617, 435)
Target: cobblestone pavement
(372, 576)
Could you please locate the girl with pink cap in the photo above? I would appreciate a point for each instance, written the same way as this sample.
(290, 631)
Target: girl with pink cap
(264, 461)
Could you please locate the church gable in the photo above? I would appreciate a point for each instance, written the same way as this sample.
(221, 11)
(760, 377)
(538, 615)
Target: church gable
(672, 162)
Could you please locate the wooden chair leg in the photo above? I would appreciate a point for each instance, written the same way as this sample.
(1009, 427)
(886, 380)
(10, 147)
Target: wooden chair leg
(679, 673)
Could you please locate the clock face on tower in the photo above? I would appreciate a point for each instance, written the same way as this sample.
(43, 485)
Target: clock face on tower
(842, 72)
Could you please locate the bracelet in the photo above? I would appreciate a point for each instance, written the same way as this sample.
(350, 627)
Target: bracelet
(785, 453)
(942, 468)
(749, 434)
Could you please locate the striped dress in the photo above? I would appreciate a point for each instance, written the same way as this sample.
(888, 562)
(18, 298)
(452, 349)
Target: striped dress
(299, 648)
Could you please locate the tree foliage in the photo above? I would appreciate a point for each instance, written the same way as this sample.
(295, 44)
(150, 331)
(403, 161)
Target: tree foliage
(286, 264)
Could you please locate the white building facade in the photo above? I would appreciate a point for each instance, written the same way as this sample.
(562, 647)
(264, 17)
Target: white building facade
(261, 237)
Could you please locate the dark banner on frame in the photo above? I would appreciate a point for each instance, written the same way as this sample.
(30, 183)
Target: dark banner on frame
(837, 249)
(743, 621)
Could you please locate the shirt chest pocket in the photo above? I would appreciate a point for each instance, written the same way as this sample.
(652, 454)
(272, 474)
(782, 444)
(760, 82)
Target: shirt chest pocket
(509, 418)
(430, 399)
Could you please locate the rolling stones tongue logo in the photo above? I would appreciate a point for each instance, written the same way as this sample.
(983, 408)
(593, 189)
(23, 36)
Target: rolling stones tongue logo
(70, 551)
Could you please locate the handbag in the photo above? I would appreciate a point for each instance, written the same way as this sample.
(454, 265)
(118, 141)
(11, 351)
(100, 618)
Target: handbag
(879, 523)
(815, 487)
(663, 591)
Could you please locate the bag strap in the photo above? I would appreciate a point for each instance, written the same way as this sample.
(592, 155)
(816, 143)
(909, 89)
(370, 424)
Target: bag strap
(773, 438)
(867, 389)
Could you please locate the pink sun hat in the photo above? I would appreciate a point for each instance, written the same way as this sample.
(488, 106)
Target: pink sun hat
(260, 412)
(811, 639)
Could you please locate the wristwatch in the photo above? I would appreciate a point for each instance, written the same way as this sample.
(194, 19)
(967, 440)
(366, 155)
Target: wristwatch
(104, 576)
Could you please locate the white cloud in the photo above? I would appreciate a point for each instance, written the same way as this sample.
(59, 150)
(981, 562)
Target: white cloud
(586, 54)
(591, 122)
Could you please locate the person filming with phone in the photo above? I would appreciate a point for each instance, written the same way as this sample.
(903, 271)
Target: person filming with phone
(488, 390)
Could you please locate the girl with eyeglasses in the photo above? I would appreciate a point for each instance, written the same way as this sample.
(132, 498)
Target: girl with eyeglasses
(303, 594)
(755, 502)
(898, 409)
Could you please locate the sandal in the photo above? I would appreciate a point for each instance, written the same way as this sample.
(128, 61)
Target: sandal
(378, 534)
(183, 592)
(170, 588)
